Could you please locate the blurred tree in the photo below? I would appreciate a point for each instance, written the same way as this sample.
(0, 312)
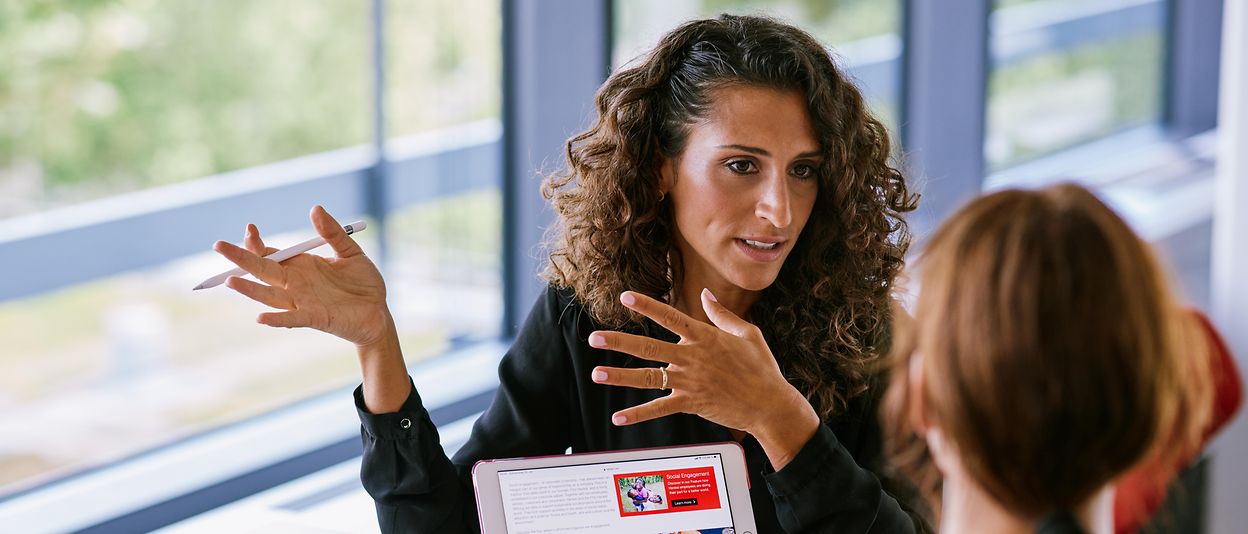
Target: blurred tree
(105, 96)
(833, 21)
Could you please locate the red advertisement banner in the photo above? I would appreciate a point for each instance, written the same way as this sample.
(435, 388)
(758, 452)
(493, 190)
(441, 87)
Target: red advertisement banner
(661, 492)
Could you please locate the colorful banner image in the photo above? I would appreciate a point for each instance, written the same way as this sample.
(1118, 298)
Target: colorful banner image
(641, 494)
(657, 492)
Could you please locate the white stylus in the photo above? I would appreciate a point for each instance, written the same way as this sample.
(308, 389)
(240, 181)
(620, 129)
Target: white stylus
(281, 255)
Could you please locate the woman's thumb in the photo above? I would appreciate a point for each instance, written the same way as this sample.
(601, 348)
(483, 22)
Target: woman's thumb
(723, 317)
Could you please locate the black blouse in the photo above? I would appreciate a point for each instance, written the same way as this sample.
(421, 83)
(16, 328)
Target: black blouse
(546, 404)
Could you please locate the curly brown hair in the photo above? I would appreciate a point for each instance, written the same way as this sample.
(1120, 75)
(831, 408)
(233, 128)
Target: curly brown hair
(615, 231)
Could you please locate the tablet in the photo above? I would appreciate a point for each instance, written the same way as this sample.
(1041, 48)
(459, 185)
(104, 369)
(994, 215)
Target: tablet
(697, 488)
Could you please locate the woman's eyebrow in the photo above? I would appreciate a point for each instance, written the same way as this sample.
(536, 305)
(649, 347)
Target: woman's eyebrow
(750, 149)
(762, 152)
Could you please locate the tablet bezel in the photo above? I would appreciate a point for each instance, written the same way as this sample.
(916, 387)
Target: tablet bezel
(736, 478)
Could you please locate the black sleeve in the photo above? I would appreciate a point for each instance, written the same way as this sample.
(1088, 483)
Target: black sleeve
(416, 487)
(412, 482)
(824, 490)
(833, 485)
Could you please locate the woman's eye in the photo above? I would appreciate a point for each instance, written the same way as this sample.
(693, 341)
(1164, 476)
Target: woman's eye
(804, 171)
(741, 166)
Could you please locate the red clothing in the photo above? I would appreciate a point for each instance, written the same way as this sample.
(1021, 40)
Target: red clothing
(1141, 492)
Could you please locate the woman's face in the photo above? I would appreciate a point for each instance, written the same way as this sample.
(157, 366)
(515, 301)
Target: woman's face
(744, 187)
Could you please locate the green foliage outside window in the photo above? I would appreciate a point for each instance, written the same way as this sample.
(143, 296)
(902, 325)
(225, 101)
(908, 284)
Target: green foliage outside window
(105, 96)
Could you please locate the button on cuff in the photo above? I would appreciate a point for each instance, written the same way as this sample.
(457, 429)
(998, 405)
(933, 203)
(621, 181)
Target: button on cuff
(403, 424)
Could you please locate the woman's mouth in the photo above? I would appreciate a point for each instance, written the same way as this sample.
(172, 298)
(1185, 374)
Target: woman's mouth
(760, 245)
(760, 250)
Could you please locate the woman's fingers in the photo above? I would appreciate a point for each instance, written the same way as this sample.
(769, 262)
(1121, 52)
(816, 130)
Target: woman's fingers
(251, 239)
(660, 407)
(639, 346)
(667, 316)
(723, 317)
(267, 295)
(286, 319)
(268, 271)
(328, 228)
(645, 378)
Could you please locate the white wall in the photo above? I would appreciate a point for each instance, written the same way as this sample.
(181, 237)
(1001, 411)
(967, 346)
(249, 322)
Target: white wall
(1228, 510)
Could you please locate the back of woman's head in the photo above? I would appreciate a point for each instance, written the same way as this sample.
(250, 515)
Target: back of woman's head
(1053, 354)
(616, 228)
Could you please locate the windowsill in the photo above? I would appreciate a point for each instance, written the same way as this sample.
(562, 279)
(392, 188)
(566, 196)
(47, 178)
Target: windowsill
(224, 454)
(1160, 186)
(329, 500)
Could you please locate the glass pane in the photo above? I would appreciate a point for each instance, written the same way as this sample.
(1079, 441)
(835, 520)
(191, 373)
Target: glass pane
(864, 35)
(442, 63)
(258, 82)
(103, 370)
(444, 278)
(98, 98)
(1067, 72)
(444, 86)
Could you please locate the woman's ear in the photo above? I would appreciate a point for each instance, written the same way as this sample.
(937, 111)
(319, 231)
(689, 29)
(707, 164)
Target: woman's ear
(667, 176)
(942, 452)
(916, 408)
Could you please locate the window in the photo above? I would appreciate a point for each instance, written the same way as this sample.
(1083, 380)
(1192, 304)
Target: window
(864, 35)
(1065, 72)
(100, 98)
(104, 105)
(158, 120)
(444, 268)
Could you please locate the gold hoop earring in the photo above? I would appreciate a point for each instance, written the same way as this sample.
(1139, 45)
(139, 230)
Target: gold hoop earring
(662, 195)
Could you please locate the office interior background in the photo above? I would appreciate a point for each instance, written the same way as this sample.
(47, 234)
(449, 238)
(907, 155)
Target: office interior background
(135, 133)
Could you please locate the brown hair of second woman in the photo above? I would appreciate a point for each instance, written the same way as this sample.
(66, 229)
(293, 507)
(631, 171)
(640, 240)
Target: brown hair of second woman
(615, 230)
(1055, 357)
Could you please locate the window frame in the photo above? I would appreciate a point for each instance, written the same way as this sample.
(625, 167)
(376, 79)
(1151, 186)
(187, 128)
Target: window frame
(954, 91)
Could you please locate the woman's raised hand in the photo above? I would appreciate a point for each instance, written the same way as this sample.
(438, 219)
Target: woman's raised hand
(343, 295)
(724, 373)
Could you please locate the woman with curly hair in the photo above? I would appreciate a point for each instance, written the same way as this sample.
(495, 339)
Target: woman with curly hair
(730, 228)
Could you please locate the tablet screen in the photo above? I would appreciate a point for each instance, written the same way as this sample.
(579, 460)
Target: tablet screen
(676, 494)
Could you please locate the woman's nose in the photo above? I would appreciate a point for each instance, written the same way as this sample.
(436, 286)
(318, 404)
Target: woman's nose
(774, 202)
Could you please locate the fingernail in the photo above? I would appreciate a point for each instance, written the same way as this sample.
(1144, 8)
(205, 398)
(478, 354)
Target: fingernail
(628, 299)
(619, 419)
(599, 376)
(597, 340)
(710, 295)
